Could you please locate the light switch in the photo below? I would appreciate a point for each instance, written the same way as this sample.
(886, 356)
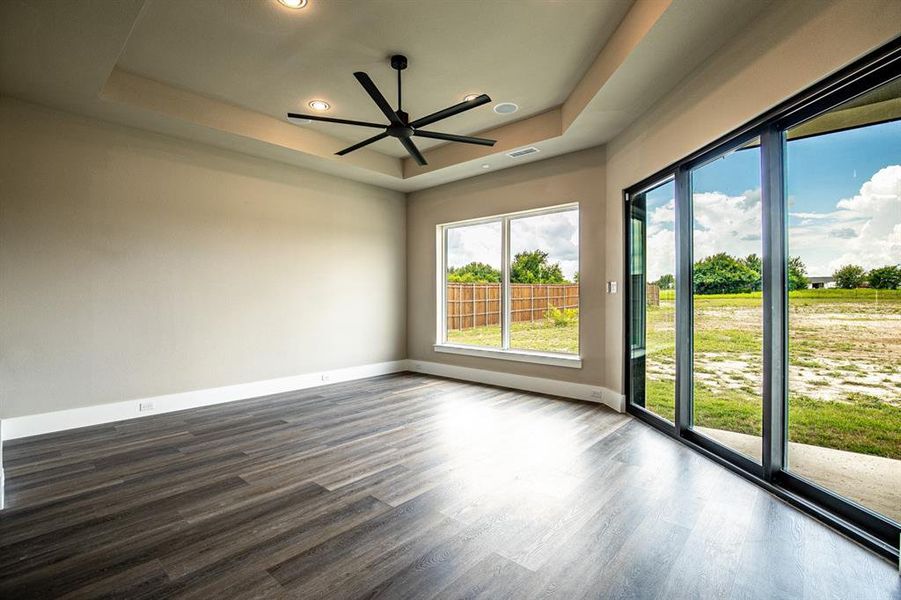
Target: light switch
(611, 287)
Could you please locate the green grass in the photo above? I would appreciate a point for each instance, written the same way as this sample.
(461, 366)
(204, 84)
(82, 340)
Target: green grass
(728, 329)
(865, 425)
(833, 295)
(541, 336)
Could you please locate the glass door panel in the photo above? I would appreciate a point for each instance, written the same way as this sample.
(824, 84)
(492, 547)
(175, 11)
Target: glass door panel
(727, 303)
(653, 300)
(844, 316)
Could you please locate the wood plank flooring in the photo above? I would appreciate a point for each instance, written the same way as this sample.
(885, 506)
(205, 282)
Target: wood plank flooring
(404, 486)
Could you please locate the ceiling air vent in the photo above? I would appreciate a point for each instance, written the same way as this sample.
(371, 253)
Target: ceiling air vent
(522, 152)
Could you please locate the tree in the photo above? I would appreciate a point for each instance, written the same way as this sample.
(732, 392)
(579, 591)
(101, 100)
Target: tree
(753, 262)
(533, 267)
(850, 277)
(474, 272)
(797, 274)
(666, 282)
(886, 278)
(723, 274)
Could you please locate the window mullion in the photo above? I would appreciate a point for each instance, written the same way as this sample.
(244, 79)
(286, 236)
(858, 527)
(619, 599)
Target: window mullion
(442, 285)
(505, 283)
(775, 285)
(684, 301)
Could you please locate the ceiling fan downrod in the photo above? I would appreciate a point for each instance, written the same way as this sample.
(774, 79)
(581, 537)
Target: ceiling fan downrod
(399, 63)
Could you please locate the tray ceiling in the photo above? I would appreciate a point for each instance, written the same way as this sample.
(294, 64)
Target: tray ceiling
(269, 59)
(224, 73)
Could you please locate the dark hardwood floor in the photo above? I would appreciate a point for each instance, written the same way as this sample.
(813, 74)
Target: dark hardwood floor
(404, 486)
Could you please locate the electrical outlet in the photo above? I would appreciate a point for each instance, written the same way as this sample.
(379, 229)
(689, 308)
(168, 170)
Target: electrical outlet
(597, 394)
(326, 377)
(145, 406)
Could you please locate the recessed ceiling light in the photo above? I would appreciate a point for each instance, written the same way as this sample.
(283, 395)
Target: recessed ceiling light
(505, 108)
(486, 166)
(469, 97)
(293, 3)
(320, 105)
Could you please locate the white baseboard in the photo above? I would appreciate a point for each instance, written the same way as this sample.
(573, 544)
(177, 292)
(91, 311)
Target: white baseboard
(29, 425)
(555, 387)
(26, 426)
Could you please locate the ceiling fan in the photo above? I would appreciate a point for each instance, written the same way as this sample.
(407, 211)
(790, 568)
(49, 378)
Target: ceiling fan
(399, 124)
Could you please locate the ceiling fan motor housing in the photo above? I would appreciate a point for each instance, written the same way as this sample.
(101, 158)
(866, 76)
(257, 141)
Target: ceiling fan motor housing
(400, 131)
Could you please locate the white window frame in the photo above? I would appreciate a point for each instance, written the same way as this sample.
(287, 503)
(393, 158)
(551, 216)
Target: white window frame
(559, 359)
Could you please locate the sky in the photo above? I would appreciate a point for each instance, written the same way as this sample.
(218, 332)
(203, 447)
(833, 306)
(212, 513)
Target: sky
(557, 234)
(844, 202)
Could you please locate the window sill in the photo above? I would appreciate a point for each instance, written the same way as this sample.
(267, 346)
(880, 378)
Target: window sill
(541, 358)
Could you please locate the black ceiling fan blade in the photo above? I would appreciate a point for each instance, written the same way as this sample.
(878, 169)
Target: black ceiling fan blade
(450, 137)
(414, 151)
(333, 120)
(451, 111)
(350, 149)
(377, 97)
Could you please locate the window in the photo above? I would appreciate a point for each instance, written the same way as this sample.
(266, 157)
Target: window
(510, 286)
(782, 244)
(844, 303)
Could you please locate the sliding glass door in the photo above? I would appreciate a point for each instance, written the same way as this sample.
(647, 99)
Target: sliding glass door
(764, 301)
(727, 315)
(652, 269)
(844, 318)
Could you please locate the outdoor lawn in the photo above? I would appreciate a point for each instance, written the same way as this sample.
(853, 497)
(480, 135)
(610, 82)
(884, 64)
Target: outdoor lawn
(845, 357)
(845, 366)
(543, 336)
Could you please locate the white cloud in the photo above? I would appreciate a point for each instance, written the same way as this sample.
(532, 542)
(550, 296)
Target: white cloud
(556, 233)
(728, 224)
(722, 223)
(661, 241)
(474, 243)
(863, 230)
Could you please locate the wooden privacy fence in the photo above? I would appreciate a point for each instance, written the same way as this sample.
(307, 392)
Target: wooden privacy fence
(653, 294)
(477, 304)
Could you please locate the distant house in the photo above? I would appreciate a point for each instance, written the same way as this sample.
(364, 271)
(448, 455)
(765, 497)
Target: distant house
(821, 282)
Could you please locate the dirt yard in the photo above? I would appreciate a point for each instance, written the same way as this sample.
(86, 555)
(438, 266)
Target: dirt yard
(845, 366)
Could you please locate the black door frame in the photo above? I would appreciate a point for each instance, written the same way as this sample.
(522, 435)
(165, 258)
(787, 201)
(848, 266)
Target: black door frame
(870, 529)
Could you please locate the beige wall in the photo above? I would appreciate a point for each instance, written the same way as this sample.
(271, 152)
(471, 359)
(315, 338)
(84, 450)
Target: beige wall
(577, 177)
(791, 46)
(134, 265)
